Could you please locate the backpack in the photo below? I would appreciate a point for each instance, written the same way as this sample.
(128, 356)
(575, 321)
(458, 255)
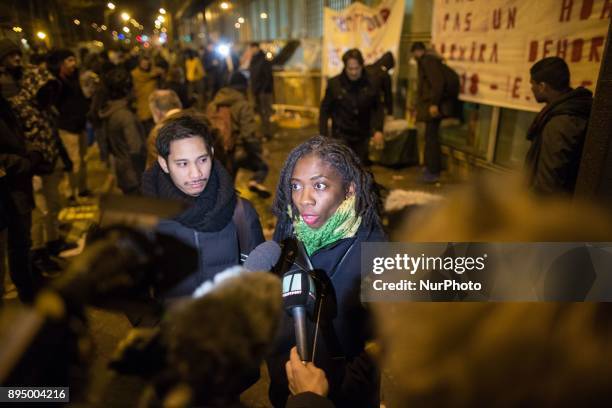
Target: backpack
(221, 119)
(452, 82)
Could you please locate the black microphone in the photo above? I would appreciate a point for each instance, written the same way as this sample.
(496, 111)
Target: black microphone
(300, 298)
(264, 257)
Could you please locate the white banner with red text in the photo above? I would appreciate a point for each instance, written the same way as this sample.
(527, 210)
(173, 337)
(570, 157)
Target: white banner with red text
(493, 43)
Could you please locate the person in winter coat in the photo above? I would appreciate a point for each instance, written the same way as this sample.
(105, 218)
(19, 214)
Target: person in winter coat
(194, 73)
(17, 199)
(218, 224)
(557, 134)
(72, 106)
(248, 152)
(11, 69)
(123, 131)
(352, 101)
(33, 106)
(145, 79)
(326, 200)
(379, 72)
(434, 101)
(262, 86)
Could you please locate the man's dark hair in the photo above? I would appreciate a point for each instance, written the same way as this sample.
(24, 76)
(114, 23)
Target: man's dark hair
(552, 71)
(56, 58)
(118, 83)
(183, 126)
(355, 54)
(343, 159)
(418, 45)
(254, 44)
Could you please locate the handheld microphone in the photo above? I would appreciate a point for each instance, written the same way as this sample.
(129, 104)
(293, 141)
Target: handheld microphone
(299, 299)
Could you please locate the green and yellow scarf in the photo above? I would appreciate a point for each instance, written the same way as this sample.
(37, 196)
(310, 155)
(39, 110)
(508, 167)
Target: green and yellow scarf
(343, 224)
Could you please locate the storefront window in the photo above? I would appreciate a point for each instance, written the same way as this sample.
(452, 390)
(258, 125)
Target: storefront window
(512, 143)
(472, 134)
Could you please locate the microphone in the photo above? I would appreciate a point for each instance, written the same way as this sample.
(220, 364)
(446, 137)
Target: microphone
(300, 298)
(264, 257)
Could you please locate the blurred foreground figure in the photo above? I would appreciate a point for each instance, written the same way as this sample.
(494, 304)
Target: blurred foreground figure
(490, 354)
(211, 364)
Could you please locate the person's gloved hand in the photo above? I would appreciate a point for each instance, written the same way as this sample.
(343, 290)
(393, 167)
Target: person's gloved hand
(305, 377)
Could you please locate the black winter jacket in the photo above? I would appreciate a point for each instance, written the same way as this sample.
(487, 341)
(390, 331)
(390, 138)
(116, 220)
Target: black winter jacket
(431, 88)
(260, 69)
(217, 250)
(557, 138)
(72, 105)
(354, 107)
(345, 328)
(16, 161)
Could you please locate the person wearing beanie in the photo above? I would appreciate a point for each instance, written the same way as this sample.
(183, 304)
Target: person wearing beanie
(248, 150)
(11, 69)
(72, 106)
(557, 133)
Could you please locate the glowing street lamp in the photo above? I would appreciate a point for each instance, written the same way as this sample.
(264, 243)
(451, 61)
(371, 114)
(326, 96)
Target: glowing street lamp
(125, 16)
(41, 35)
(126, 30)
(110, 6)
(237, 25)
(17, 29)
(161, 19)
(241, 20)
(225, 5)
(263, 16)
(76, 22)
(162, 11)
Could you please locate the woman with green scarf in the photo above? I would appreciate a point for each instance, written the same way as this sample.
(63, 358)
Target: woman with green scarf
(329, 202)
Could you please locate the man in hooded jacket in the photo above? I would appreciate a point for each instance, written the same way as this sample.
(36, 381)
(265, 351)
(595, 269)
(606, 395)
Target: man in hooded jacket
(557, 133)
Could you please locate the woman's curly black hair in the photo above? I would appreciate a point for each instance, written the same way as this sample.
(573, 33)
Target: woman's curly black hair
(344, 160)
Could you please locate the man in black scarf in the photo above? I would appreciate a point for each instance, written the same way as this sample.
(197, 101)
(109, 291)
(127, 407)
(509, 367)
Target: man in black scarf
(218, 224)
(557, 133)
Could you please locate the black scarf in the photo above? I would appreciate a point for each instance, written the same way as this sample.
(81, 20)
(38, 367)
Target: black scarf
(211, 211)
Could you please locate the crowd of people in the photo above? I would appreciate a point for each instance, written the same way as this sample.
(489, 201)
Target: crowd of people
(179, 126)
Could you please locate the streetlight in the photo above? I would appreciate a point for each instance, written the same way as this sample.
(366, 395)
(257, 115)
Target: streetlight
(263, 16)
(162, 11)
(241, 20)
(41, 35)
(161, 19)
(126, 30)
(110, 6)
(237, 25)
(125, 16)
(17, 29)
(76, 22)
(225, 5)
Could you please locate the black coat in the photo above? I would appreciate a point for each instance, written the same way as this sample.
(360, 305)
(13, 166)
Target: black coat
(72, 105)
(16, 161)
(354, 107)
(217, 250)
(432, 88)
(345, 328)
(260, 69)
(557, 138)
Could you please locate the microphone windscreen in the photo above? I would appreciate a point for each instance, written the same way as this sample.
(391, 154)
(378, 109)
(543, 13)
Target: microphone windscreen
(263, 257)
(299, 290)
